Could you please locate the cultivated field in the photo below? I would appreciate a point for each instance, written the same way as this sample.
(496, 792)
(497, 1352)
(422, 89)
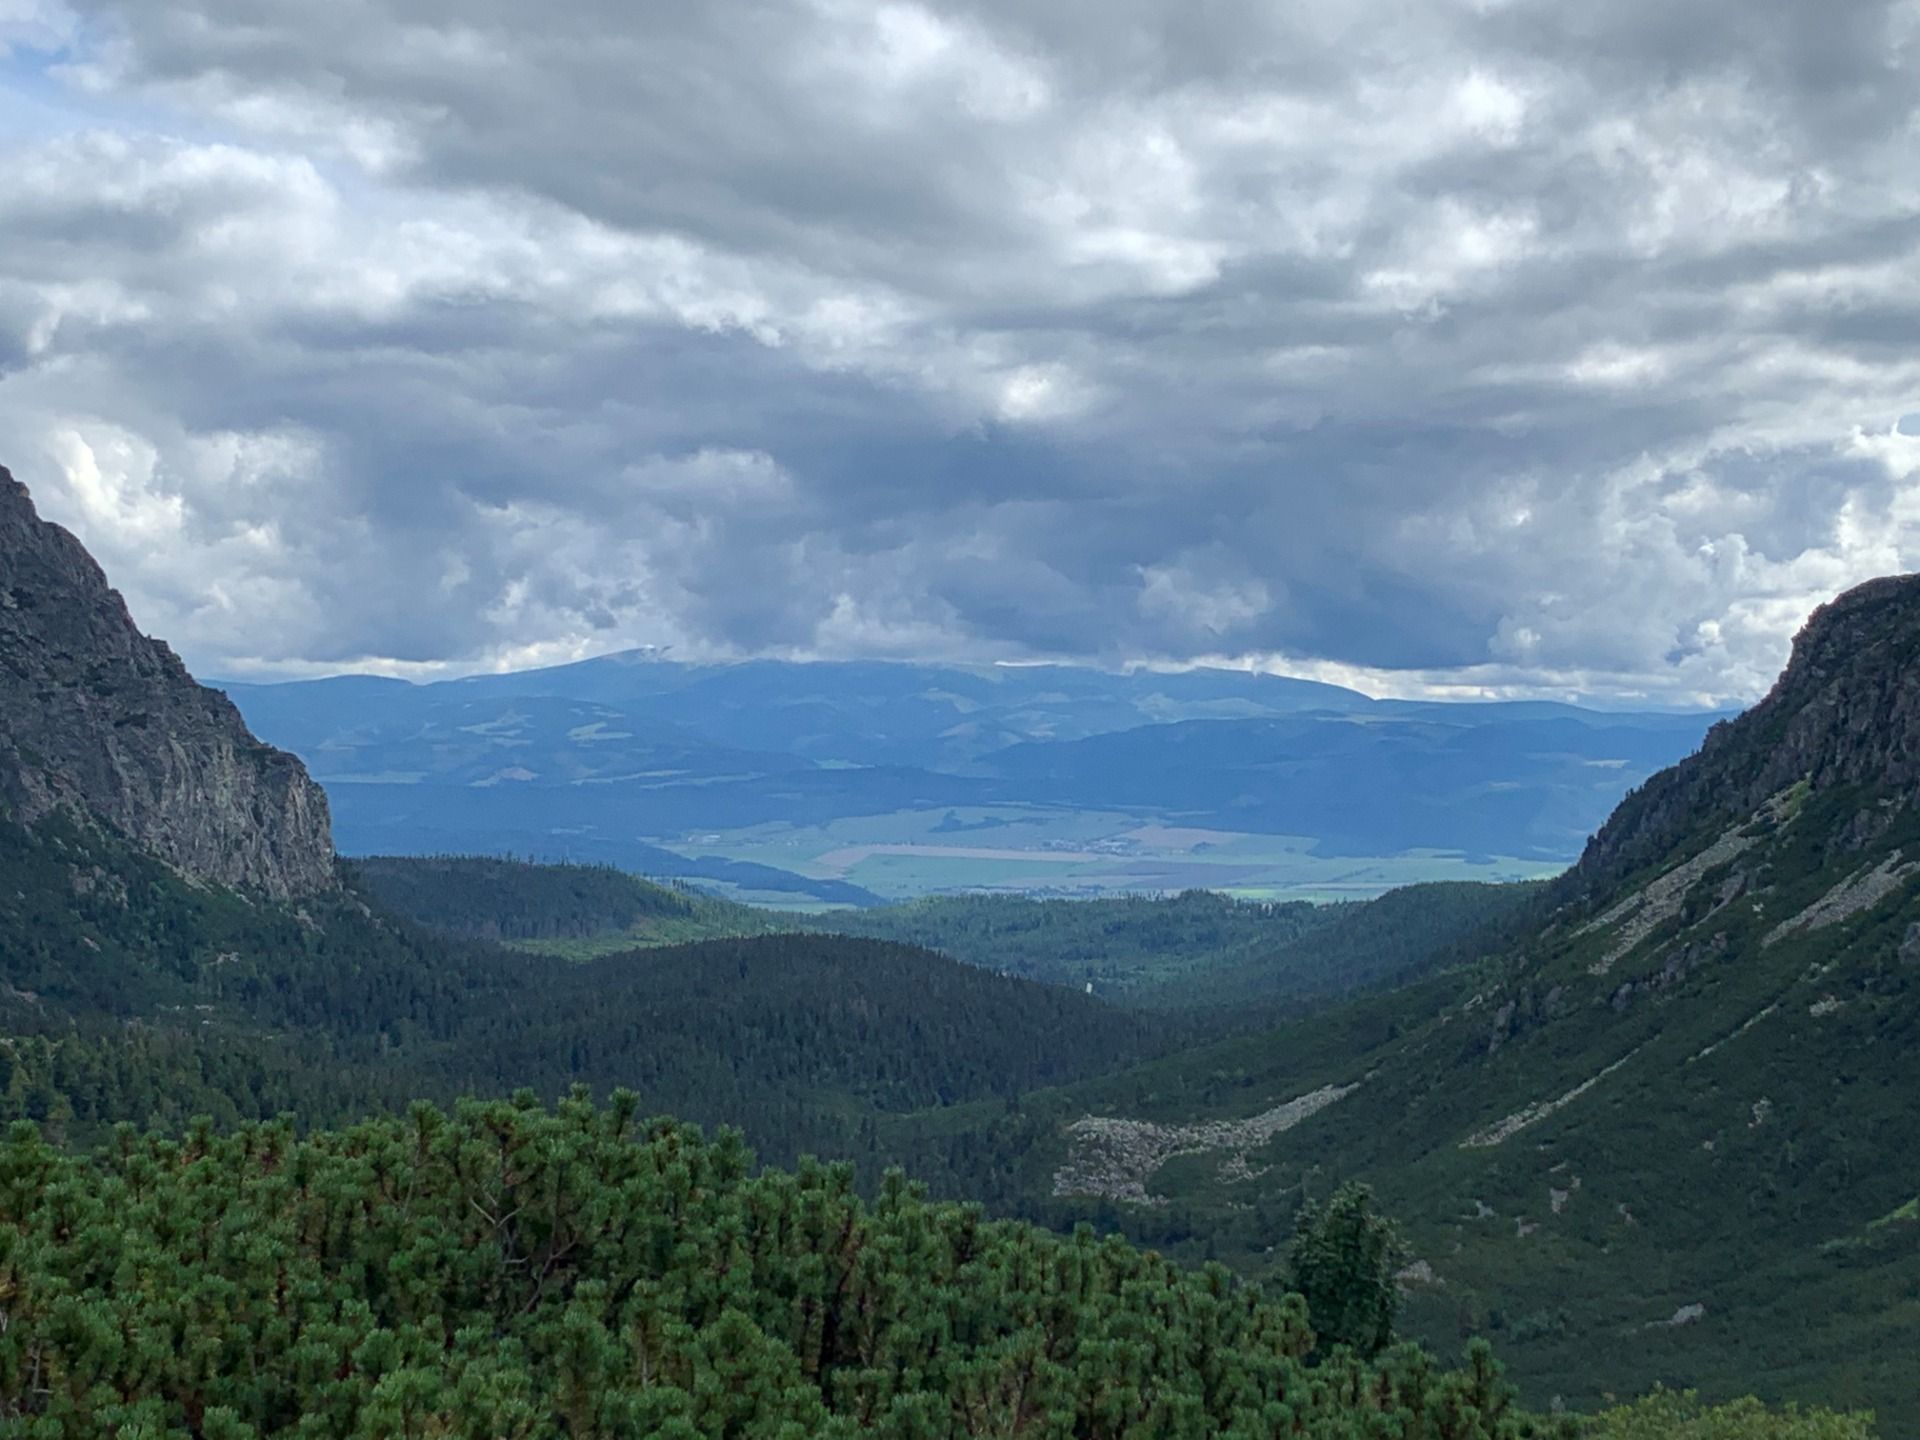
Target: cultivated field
(1060, 852)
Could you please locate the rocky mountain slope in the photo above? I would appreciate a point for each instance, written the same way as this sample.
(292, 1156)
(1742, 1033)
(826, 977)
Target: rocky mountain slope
(1845, 712)
(1673, 1133)
(97, 718)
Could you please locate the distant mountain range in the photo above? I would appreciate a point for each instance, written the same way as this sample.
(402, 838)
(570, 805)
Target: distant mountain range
(618, 758)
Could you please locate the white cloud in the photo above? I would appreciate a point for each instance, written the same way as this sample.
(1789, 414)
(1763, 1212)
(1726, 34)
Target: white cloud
(1197, 601)
(34, 25)
(1518, 345)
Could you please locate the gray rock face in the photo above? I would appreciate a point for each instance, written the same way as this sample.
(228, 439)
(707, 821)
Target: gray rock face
(96, 717)
(1845, 711)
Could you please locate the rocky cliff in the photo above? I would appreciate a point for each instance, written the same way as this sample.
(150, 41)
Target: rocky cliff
(96, 717)
(1845, 712)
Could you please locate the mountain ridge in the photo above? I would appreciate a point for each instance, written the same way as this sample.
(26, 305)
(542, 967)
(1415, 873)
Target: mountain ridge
(102, 720)
(1851, 678)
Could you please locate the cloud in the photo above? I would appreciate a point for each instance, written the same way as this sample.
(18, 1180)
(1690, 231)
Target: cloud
(1481, 345)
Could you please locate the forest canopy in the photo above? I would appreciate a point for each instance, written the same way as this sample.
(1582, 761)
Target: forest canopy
(507, 1270)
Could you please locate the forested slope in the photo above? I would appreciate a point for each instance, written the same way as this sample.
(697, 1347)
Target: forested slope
(132, 995)
(576, 911)
(802, 1039)
(1228, 960)
(1212, 956)
(1356, 946)
(1121, 947)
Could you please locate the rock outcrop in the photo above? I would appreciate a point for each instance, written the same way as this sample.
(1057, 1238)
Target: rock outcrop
(1845, 711)
(97, 718)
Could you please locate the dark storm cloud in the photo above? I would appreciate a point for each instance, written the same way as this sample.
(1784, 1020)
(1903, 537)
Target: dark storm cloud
(1507, 344)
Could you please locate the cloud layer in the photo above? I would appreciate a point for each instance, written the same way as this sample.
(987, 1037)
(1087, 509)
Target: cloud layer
(1483, 344)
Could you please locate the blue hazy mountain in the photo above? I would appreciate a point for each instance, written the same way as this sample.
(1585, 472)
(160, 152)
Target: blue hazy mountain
(609, 758)
(934, 717)
(1483, 779)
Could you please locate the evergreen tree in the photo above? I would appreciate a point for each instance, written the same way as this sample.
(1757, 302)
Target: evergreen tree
(1344, 1258)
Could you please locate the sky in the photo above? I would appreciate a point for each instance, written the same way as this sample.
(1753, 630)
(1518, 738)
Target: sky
(1444, 347)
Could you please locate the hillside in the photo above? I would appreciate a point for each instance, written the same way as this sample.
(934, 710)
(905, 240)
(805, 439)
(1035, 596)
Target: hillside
(802, 1040)
(1356, 946)
(1202, 953)
(1667, 1133)
(1219, 960)
(1120, 947)
(573, 911)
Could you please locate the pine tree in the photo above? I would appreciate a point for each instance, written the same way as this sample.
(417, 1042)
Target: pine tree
(1344, 1259)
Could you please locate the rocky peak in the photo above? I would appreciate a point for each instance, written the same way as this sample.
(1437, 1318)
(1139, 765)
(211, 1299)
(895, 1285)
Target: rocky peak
(1845, 711)
(97, 718)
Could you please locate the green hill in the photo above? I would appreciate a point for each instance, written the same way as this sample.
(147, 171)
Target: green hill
(1121, 947)
(1227, 960)
(1197, 951)
(803, 1040)
(573, 911)
(1353, 947)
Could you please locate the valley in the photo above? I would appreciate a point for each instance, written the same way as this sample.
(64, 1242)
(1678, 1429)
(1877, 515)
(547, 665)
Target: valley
(959, 720)
(1064, 853)
(1646, 1122)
